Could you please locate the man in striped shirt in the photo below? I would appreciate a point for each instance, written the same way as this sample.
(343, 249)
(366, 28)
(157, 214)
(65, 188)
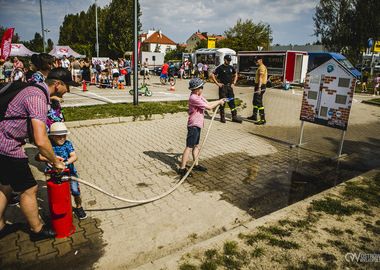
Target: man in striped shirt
(15, 173)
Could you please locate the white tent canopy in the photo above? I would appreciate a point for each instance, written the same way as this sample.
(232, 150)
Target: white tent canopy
(20, 50)
(60, 51)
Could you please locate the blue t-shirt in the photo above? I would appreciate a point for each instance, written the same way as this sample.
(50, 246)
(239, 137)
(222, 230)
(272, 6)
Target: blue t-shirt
(64, 152)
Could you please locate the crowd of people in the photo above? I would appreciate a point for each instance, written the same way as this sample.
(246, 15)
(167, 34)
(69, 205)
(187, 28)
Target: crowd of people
(104, 74)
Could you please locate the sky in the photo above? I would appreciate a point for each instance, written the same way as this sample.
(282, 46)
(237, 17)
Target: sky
(291, 20)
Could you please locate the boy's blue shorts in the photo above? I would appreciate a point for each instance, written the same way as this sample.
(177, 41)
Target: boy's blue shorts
(74, 187)
(193, 135)
(163, 76)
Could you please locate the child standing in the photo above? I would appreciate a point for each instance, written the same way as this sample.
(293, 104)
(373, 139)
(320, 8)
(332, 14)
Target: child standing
(376, 82)
(64, 148)
(197, 105)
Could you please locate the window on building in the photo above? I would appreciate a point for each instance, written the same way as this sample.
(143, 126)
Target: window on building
(312, 95)
(341, 99)
(314, 79)
(344, 82)
(323, 111)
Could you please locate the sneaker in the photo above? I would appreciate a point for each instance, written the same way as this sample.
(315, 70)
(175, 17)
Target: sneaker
(14, 199)
(253, 117)
(222, 119)
(44, 233)
(236, 120)
(182, 172)
(200, 168)
(374, 95)
(79, 212)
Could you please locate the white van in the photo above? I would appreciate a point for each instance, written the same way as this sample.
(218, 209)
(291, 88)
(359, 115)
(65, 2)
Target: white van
(214, 57)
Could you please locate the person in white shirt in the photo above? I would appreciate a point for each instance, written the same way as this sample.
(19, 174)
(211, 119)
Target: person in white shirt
(65, 63)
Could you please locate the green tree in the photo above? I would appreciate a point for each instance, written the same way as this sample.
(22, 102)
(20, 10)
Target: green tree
(175, 54)
(16, 37)
(247, 36)
(35, 44)
(346, 25)
(119, 22)
(201, 44)
(50, 45)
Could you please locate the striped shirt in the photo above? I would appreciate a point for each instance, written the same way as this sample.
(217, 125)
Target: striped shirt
(30, 102)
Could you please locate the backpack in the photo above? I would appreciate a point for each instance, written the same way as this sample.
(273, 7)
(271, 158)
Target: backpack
(8, 92)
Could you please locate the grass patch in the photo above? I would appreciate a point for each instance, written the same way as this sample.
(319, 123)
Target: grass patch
(145, 109)
(322, 245)
(306, 265)
(187, 266)
(258, 252)
(374, 229)
(305, 223)
(340, 244)
(209, 265)
(349, 231)
(334, 207)
(334, 231)
(230, 248)
(367, 191)
(273, 241)
(275, 230)
(211, 253)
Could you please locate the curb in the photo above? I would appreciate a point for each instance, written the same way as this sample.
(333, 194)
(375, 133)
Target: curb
(163, 262)
(128, 119)
(371, 102)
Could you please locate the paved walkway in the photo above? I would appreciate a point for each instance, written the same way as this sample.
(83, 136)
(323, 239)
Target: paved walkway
(252, 172)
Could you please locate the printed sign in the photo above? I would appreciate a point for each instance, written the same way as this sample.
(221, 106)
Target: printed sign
(211, 43)
(376, 48)
(328, 94)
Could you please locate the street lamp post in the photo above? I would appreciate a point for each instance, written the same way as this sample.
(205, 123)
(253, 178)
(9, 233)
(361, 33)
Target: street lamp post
(42, 26)
(97, 36)
(45, 43)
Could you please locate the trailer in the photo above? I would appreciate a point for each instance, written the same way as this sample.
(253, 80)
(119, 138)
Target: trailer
(283, 67)
(214, 57)
(153, 59)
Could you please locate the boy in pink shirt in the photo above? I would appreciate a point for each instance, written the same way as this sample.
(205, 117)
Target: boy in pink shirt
(197, 106)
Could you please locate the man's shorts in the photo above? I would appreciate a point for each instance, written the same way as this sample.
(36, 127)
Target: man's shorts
(76, 72)
(116, 75)
(193, 135)
(16, 173)
(163, 76)
(8, 74)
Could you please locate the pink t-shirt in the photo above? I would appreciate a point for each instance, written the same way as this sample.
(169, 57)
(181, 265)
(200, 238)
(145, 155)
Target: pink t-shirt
(376, 82)
(197, 106)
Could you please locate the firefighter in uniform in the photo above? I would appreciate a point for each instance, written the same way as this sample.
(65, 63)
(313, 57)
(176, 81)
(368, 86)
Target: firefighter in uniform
(260, 87)
(227, 76)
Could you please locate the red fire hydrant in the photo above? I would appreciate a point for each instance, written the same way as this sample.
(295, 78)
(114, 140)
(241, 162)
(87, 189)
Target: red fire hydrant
(61, 214)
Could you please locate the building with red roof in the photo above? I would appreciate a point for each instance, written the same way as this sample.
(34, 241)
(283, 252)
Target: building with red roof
(198, 36)
(156, 41)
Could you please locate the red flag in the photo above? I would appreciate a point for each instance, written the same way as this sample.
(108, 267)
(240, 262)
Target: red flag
(138, 52)
(6, 43)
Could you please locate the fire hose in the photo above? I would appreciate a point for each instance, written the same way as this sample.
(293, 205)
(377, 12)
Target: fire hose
(167, 192)
(159, 196)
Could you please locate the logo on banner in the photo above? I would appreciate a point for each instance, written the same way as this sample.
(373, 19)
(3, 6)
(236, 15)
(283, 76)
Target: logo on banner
(338, 113)
(330, 68)
(16, 47)
(63, 51)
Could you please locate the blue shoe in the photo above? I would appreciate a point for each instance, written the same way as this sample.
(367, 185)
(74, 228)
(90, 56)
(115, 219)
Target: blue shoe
(79, 212)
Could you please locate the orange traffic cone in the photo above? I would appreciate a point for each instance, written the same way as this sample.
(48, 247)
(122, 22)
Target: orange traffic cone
(121, 85)
(172, 87)
(84, 86)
